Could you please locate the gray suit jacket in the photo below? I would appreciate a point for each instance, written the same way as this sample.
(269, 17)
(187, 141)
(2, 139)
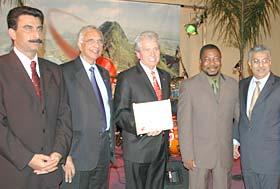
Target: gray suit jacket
(206, 121)
(133, 86)
(260, 137)
(85, 146)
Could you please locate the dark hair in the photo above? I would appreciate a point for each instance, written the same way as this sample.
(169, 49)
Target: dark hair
(207, 47)
(13, 15)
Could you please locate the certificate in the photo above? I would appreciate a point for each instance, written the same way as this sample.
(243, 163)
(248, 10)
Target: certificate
(152, 116)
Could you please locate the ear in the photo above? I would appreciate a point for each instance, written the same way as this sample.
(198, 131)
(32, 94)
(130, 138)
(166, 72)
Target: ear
(138, 54)
(12, 33)
(250, 64)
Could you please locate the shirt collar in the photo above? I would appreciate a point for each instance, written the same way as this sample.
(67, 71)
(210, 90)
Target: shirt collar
(87, 65)
(262, 81)
(23, 58)
(147, 69)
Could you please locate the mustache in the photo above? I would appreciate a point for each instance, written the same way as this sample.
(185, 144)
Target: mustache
(36, 41)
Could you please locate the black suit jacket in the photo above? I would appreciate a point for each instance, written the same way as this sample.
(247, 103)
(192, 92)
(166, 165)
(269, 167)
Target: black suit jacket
(133, 86)
(86, 115)
(28, 127)
(260, 137)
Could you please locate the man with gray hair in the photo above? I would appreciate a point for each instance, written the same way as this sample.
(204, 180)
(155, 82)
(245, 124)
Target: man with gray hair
(145, 156)
(259, 126)
(90, 95)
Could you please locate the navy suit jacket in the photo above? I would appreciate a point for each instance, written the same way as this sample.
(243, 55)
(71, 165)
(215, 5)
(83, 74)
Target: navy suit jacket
(260, 137)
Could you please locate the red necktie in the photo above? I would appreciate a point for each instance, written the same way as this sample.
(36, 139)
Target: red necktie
(35, 79)
(156, 86)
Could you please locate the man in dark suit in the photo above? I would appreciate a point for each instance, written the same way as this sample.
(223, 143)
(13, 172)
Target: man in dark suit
(145, 156)
(35, 122)
(93, 134)
(259, 125)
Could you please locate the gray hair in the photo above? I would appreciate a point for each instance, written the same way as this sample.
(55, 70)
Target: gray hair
(87, 28)
(145, 35)
(258, 48)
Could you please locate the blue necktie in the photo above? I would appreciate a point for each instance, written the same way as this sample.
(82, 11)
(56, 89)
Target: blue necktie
(98, 98)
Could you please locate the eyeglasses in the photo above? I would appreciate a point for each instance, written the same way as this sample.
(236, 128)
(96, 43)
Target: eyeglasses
(93, 42)
(263, 61)
(209, 60)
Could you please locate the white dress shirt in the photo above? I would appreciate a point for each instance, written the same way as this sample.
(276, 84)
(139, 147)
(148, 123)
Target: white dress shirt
(26, 62)
(148, 72)
(252, 87)
(102, 88)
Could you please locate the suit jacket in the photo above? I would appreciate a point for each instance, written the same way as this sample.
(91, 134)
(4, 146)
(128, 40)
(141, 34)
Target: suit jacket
(260, 138)
(205, 120)
(28, 127)
(86, 115)
(134, 86)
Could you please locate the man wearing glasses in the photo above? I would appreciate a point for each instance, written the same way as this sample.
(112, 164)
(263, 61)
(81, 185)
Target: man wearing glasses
(208, 107)
(259, 126)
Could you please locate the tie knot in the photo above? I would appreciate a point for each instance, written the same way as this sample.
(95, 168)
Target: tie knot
(91, 69)
(33, 65)
(153, 73)
(258, 83)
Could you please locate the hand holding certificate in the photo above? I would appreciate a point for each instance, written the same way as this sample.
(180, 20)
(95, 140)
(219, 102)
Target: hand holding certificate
(152, 116)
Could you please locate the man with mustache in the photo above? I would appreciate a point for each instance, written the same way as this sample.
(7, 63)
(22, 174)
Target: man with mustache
(145, 156)
(35, 120)
(208, 104)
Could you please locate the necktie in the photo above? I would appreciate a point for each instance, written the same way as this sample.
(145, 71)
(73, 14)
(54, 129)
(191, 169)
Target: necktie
(35, 79)
(98, 97)
(156, 86)
(255, 96)
(215, 86)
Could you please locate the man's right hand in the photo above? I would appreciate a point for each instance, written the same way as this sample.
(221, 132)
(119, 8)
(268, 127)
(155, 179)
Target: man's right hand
(190, 164)
(69, 169)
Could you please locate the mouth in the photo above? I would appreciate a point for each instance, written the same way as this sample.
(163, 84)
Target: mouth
(38, 41)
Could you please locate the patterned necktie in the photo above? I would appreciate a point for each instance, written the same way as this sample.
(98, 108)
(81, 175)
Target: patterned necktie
(156, 86)
(255, 96)
(215, 86)
(98, 98)
(35, 79)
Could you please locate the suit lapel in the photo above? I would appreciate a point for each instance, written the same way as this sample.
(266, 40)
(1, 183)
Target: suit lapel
(164, 85)
(144, 78)
(45, 80)
(244, 94)
(266, 89)
(20, 74)
(106, 80)
(81, 76)
(206, 85)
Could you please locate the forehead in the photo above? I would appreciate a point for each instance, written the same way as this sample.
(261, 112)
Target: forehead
(28, 19)
(149, 42)
(261, 54)
(211, 53)
(92, 34)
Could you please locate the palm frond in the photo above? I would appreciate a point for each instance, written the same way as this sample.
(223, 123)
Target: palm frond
(242, 23)
(12, 2)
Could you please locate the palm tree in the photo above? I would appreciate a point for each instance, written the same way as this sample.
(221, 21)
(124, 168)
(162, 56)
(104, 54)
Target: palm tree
(242, 23)
(12, 2)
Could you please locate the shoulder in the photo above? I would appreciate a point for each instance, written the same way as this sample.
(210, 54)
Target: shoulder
(5, 59)
(229, 80)
(130, 72)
